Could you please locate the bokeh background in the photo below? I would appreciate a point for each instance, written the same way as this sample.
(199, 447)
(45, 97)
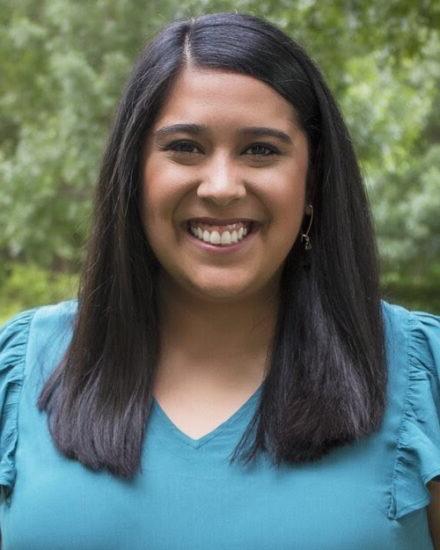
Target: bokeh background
(62, 68)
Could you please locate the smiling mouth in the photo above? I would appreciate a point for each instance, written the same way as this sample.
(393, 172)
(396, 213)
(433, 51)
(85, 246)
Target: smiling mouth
(221, 235)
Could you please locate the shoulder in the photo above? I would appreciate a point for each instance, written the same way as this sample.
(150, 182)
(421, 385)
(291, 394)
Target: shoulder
(53, 321)
(23, 338)
(413, 335)
(406, 319)
(413, 353)
(40, 319)
(31, 330)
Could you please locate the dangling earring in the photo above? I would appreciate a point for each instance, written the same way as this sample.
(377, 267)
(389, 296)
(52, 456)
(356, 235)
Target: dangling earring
(305, 236)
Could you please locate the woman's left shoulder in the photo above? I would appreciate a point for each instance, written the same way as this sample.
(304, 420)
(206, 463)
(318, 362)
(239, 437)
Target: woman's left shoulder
(413, 352)
(416, 333)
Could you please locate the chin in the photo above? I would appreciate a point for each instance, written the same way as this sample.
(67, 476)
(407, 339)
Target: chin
(224, 292)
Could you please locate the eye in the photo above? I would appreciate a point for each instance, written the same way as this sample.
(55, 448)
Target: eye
(187, 147)
(269, 149)
(180, 146)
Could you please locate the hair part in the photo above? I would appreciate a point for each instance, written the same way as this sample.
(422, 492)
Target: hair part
(326, 382)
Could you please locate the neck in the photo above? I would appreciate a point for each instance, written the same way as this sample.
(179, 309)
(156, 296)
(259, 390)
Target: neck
(199, 335)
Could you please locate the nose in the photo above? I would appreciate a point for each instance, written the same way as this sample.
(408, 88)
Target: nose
(221, 183)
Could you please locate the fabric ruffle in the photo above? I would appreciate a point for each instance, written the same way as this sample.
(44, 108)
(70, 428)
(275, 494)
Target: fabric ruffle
(13, 342)
(418, 449)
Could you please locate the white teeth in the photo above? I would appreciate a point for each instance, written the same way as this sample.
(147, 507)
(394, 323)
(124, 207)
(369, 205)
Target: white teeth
(226, 238)
(214, 237)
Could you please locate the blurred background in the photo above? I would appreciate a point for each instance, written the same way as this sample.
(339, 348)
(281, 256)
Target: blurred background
(62, 68)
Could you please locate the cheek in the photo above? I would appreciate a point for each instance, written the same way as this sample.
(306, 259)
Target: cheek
(156, 199)
(160, 199)
(287, 228)
(151, 219)
(288, 203)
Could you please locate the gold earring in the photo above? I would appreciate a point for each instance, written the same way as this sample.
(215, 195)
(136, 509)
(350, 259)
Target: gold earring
(305, 236)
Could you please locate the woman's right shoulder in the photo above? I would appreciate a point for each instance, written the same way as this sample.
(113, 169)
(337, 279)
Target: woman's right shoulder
(38, 327)
(31, 335)
(44, 318)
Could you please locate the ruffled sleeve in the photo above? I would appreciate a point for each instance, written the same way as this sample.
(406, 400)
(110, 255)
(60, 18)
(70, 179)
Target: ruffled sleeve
(13, 343)
(418, 450)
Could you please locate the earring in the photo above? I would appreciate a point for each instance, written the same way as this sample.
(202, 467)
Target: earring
(305, 236)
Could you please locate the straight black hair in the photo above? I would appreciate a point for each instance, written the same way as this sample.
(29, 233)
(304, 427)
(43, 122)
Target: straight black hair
(326, 382)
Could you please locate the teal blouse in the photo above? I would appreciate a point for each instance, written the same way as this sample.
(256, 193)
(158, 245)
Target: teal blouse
(371, 494)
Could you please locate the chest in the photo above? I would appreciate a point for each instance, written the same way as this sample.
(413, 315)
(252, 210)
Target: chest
(190, 497)
(196, 410)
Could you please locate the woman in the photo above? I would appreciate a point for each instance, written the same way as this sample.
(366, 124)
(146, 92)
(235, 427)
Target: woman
(229, 376)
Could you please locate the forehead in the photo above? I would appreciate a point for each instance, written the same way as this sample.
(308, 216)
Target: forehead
(224, 98)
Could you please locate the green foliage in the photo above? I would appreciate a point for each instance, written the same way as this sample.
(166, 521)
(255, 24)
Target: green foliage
(26, 286)
(64, 64)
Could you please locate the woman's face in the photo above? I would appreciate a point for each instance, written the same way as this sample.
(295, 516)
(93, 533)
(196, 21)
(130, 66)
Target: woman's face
(214, 175)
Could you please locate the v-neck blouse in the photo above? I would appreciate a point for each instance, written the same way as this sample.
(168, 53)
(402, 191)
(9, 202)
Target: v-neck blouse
(223, 430)
(368, 495)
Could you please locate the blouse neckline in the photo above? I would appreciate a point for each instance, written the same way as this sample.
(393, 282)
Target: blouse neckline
(230, 423)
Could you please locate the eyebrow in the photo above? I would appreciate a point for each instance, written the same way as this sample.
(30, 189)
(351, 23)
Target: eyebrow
(197, 129)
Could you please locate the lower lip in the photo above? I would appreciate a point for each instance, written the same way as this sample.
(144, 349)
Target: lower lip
(227, 249)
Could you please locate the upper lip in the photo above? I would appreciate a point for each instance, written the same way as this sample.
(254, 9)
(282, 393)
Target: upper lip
(221, 221)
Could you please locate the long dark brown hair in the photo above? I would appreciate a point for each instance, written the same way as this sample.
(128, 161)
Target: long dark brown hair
(326, 382)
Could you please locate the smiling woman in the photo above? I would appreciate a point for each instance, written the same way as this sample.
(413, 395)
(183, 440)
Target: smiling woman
(223, 178)
(228, 376)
